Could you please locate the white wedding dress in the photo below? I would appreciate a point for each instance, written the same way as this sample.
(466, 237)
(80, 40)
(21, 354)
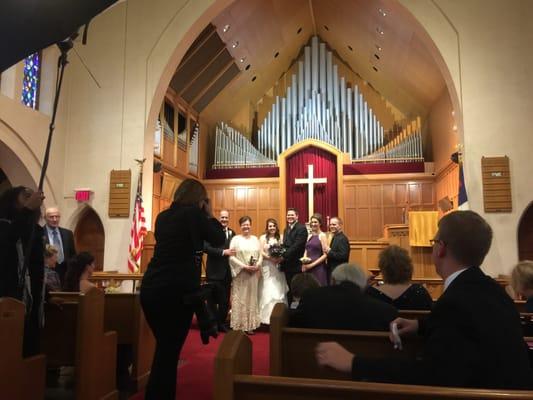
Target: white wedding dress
(273, 287)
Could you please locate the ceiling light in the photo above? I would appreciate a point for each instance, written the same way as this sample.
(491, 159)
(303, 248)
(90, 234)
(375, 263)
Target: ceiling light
(374, 68)
(453, 113)
(247, 67)
(243, 59)
(235, 44)
(276, 55)
(326, 27)
(379, 30)
(382, 12)
(299, 30)
(226, 28)
(378, 47)
(350, 48)
(454, 127)
(254, 78)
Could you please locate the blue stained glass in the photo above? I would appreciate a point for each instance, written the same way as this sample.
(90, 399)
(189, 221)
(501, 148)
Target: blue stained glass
(30, 82)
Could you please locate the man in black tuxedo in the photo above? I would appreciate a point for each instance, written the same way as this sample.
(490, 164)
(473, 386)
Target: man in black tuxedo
(339, 248)
(344, 304)
(294, 239)
(61, 238)
(473, 336)
(218, 272)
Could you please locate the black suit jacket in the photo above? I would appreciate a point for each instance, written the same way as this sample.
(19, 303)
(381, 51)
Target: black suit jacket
(342, 306)
(339, 251)
(294, 240)
(473, 338)
(217, 267)
(69, 249)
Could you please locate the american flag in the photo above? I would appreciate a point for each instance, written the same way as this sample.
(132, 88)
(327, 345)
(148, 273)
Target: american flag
(137, 233)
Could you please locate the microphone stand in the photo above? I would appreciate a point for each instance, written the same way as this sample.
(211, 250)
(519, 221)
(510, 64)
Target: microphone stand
(62, 62)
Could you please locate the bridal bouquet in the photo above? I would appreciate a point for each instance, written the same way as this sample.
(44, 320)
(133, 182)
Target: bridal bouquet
(276, 250)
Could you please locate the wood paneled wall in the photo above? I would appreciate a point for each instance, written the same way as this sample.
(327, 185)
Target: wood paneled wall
(370, 204)
(257, 198)
(447, 184)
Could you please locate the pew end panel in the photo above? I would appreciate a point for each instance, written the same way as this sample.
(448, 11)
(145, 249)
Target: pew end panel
(16, 371)
(234, 356)
(95, 350)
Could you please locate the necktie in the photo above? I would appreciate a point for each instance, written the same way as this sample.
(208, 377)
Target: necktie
(227, 234)
(57, 243)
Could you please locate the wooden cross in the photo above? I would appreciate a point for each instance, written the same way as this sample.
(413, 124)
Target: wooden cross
(310, 181)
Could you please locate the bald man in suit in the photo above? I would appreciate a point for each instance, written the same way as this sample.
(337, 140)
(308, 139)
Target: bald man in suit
(61, 238)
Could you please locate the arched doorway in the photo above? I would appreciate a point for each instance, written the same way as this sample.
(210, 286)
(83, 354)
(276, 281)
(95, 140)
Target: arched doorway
(525, 235)
(89, 236)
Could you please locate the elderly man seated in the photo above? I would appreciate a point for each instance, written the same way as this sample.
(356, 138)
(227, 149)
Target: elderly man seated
(344, 304)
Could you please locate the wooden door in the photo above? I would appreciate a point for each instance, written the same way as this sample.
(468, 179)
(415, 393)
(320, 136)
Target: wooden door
(525, 235)
(89, 236)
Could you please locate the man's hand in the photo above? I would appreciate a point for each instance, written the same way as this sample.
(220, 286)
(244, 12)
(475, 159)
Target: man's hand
(332, 354)
(406, 327)
(229, 252)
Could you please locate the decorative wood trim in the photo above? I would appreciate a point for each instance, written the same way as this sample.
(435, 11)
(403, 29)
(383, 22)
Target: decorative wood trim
(390, 177)
(282, 164)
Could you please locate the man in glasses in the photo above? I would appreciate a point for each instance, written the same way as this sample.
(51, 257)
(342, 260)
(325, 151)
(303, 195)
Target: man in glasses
(473, 336)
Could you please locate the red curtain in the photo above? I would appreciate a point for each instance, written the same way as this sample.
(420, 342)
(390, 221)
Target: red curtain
(325, 166)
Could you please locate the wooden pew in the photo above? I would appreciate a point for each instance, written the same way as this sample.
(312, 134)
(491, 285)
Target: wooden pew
(74, 335)
(233, 380)
(292, 349)
(16, 371)
(123, 314)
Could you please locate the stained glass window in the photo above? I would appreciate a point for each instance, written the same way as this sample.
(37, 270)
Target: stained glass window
(30, 82)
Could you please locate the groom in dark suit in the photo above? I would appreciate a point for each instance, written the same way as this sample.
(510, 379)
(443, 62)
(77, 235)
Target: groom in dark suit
(473, 336)
(218, 272)
(294, 239)
(61, 238)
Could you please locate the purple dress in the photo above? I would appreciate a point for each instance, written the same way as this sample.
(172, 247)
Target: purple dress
(314, 251)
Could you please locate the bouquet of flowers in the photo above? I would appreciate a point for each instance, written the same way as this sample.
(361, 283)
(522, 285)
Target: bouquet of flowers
(276, 250)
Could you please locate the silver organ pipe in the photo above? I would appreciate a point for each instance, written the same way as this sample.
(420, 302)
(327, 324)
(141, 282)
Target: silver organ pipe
(319, 104)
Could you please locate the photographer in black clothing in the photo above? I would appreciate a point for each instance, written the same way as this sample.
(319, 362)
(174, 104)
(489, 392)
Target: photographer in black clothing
(172, 281)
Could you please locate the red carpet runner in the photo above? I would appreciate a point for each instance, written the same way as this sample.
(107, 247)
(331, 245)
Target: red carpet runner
(195, 372)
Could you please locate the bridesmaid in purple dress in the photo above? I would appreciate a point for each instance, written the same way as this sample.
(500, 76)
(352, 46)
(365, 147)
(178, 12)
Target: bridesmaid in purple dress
(314, 250)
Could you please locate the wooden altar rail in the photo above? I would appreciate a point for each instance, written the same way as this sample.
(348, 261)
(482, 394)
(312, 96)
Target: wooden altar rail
(233, 380)
(20, 378)
(114, 279)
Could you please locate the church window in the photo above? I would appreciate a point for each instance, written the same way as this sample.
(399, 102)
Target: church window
(31, 80)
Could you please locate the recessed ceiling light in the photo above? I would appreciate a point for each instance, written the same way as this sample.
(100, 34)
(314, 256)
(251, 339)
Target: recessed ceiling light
(243, 59)
(299, 30)
(350, 47)
(375, 69)
(379, 30)
(378, 47)
(254, 78)
(326, 27)
(454, 127)
(235, 44)
(453, 113)
(226, 28)
(377, 57)
(382, 12)
(247, 67)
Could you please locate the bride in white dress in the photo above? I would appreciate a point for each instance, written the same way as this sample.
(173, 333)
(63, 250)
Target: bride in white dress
(274, 287)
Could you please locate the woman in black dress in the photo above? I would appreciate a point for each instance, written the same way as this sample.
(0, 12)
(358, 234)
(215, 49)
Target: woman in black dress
(172, 276)
(397, 289)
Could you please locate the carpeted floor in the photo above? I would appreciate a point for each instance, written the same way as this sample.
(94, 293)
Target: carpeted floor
(195, 372)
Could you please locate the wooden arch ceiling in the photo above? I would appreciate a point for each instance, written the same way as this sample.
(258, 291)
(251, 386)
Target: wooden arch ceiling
(268, 36)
